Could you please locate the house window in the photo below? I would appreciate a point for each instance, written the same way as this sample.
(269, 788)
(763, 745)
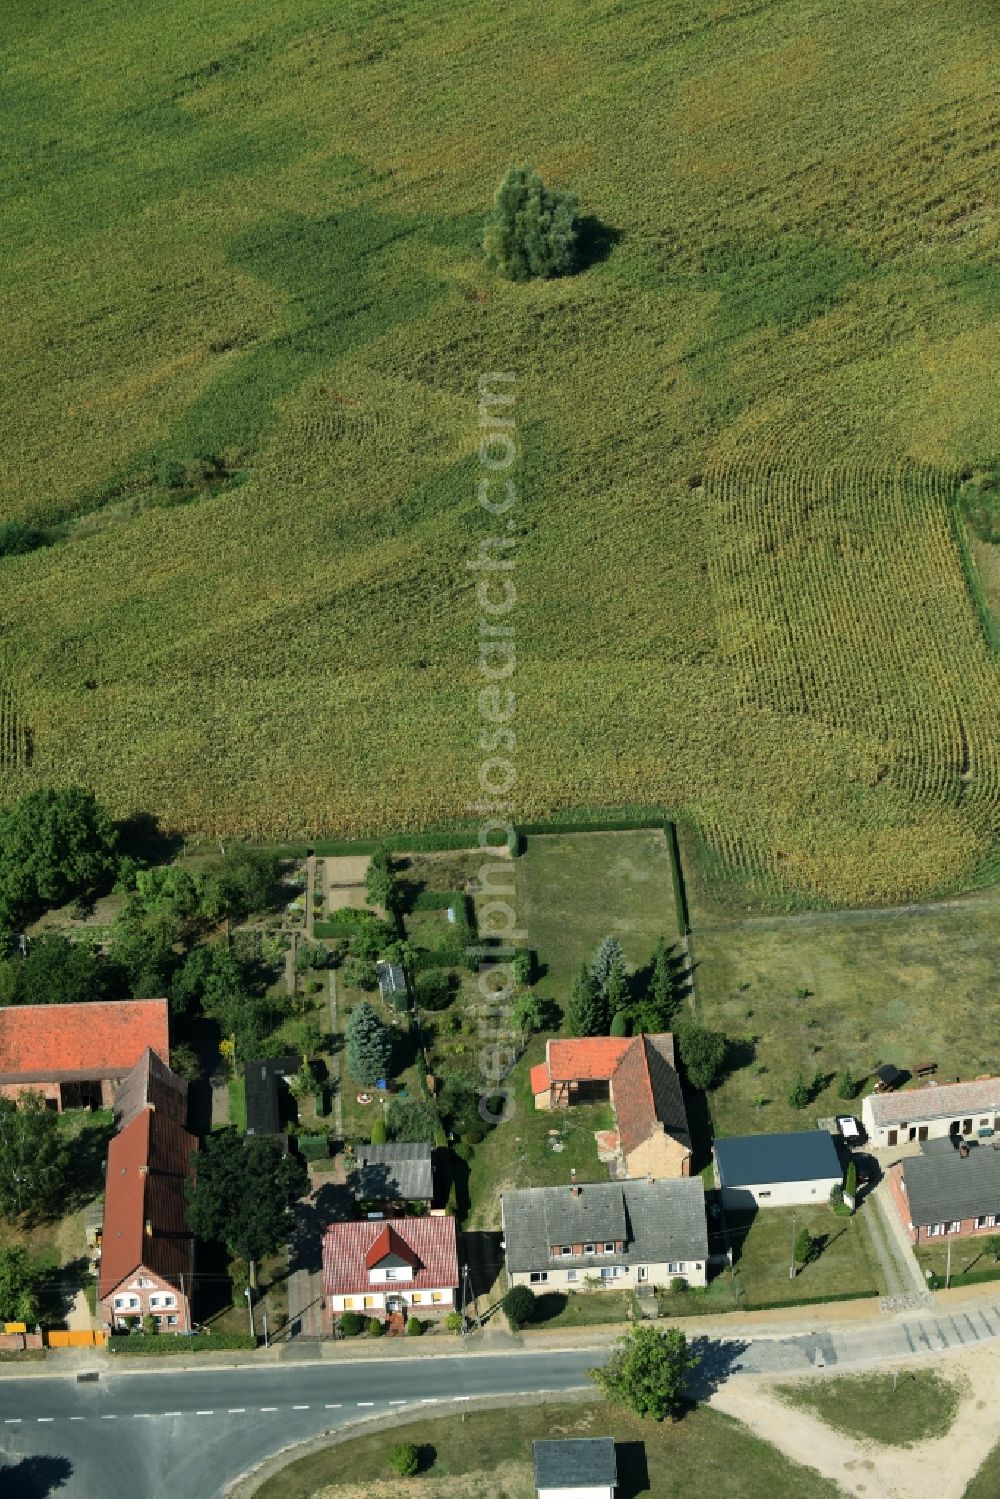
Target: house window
(763, 1194)
(163, 1300)
(538, 1277)
(609, 1249)
(124, 1303)
(989, 1220)
(417, 1297)
(588, 1248)
(566, 1250)
(437, 1295)
(612, 1272)
(172, 1320)
(954, 1228)
(933, 1229)
(348, 1303)
(676, 1267)
(572, 1275)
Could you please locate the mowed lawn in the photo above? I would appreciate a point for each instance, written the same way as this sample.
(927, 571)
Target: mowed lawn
(762, 1248)
(575, 888)
(914, 1405)
(881, 988)
(487, 1455)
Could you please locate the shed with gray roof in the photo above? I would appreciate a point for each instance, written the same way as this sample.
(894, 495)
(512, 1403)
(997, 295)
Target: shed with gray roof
(576, 1468)
(933, 1111)
(393, 1173)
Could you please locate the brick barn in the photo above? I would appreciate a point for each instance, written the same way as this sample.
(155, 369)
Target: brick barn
(75, 1055)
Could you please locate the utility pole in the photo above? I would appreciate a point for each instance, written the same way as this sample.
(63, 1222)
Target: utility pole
(791, 1267)
(266, 1342)
(249, 1297)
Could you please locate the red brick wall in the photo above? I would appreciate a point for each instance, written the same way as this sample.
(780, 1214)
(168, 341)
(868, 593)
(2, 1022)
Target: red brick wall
(182, 1309)
(919, 1235)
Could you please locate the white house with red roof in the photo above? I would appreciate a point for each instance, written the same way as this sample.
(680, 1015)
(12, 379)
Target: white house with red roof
(390, 1265)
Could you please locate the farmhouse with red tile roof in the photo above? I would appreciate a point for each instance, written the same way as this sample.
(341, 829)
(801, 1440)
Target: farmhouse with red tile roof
(75, 1055)
(639, 1076)
(390, 1265)
(147, 1250)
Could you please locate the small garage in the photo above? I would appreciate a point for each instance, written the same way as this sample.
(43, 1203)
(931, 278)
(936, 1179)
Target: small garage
(759, 1171)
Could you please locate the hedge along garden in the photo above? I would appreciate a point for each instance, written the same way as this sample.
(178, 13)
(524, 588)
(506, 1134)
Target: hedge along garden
(250, 427)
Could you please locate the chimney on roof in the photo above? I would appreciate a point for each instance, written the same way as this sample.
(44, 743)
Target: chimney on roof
(574, 1188)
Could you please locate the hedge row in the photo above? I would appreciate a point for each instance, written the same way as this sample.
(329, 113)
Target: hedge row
(314, 1147)
(965, 1278)
(770, 1306)
(439, 900)
(159, 1342)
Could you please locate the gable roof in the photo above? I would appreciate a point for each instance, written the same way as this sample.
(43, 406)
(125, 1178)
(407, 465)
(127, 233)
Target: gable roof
(390, 1248)
(263, 1098)
(585, 1059)
(394, 1173)
(646, 1092)
(801, 1155)
(575, 1462)
(663, 1220)
(148, 1164)
(79, 1042)
(943, 1186)
(150, 1084)
(429, 1241)
(935, 1101)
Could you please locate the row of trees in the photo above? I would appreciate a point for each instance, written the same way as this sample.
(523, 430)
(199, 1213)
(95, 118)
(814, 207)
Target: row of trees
(604, 1001)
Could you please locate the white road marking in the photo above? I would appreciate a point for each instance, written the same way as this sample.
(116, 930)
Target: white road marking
(429, 1400)
(269, 1407)
(109, 1418)
(300, 1407)
(45, 1418)
(336, 1407)
(237, 1410)
(76, 1418)
(463, 1397)
(204, 1413)
(13, 1421)
(366, 1402)
(397, 1402)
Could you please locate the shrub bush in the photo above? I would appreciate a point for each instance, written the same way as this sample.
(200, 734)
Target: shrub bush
(519, 1306)
(16, 539)
(619, 1023)
(474, 1136)
(375, 1328)
(414, 1327)
(434, 989)
(453, 1322)
(531, 230)
(378, 1132)
(350, 1324)
(405, 1459)
(678, 1284)
(314, 1147)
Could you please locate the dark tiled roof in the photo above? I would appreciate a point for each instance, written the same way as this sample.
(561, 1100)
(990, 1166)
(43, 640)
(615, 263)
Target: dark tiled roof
(261, 1082)
(575, 1462)
(751, 1160)
(150, 1084)
(80, 1041)
(662, 1220)
(943, 1186)
(394, 1173)
(148, 1164)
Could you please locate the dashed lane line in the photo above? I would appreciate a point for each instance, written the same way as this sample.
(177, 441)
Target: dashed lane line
(264, 1408)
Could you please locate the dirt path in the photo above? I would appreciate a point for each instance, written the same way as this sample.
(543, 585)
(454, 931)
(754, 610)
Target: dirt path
(943, 1467)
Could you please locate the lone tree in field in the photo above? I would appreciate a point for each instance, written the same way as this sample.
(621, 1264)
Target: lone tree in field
(369, 1047)
(647, 1371)
(587, 1012)
(531, 230)
(703, 1053)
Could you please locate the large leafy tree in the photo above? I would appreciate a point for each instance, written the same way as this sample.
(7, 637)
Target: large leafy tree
(587, 1012)
(249, 881)
(18, 1301)
(33, 1161)
(703, 1053)
(57, 971)
(411, 1119)
(244, 1192)
(531, 230)
(647, 1371)
(54, 845)
(380, 882)
(368, 1044)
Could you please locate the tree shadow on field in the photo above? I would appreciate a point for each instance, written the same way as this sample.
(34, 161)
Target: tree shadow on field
(594, 241)
(35, 1477)
(141, 837)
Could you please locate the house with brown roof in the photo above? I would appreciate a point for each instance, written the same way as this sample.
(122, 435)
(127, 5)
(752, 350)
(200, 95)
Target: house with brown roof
(150, 1085)
(933, 1112)
(391, 1265)
(638, 1075)
(147, 1249)
(76, 1055)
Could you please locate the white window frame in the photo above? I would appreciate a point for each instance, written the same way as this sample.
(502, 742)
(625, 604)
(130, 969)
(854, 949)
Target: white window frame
(676, 1267)
(537, 1277)
(566, 1251)
(589, 1249)
(955, 1227)
(572, 1275)
(608, 1248)
(612, 1272)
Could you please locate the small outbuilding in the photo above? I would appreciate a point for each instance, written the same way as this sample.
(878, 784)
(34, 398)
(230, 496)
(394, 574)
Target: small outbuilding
(777, 1170)
(576, 1468)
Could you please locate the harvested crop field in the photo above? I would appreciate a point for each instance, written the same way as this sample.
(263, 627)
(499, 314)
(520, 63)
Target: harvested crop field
(247, 316)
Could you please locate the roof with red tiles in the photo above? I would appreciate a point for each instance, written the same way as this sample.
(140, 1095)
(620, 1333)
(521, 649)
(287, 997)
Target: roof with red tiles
(152, 1085)
(145, 1207)
(428, 1244)
(645, 1088)
(60, 1043)
(646, 1093)
(587, 1059)
(390, 1248)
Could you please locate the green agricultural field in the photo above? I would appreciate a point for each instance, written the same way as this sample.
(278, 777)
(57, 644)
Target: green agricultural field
(246, 315)
(902, 987)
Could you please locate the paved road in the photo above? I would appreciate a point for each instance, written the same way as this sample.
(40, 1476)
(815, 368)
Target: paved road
(186, 1434)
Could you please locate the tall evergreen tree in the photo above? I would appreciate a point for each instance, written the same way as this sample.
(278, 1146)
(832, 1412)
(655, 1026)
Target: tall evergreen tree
(608, 955)
(587, 1012)
(616, 988)
(661, 996)
(369, 1048)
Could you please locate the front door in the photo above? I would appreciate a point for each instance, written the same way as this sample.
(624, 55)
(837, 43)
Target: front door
(893, 1137)
(913, 1132)
(966, 1126)
(922, 1132)
(642, 1272)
